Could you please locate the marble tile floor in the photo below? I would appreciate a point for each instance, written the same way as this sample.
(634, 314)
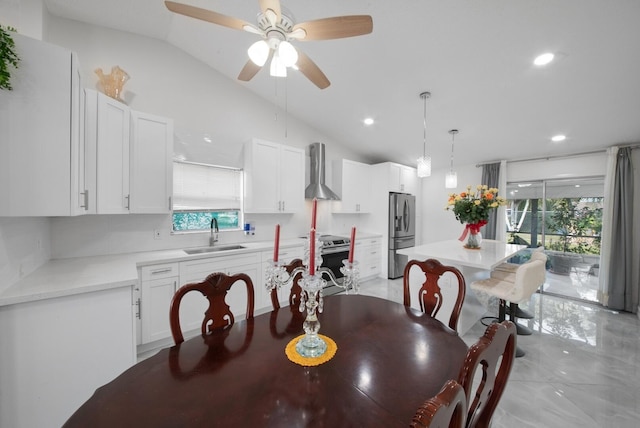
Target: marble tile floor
(581, 368)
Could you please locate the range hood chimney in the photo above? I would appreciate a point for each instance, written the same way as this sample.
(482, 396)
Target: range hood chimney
(317, 188)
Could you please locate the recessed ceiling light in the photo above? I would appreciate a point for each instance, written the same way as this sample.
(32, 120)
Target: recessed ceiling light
(543, 59)
(558, 138)
(368, 121)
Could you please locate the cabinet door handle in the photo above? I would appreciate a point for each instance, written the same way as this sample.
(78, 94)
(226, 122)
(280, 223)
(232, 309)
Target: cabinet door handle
(138, 309)
(170, 206)
(85, 200)
(283, 209)
(128, 201)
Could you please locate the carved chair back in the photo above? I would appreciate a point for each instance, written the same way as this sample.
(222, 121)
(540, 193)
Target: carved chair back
(218, 315)
(448, 409)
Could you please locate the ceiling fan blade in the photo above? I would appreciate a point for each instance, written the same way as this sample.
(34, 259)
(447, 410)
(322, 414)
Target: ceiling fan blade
(273, 5)
(249, 70)
(336, 28)
(206, 15)
(312, 71)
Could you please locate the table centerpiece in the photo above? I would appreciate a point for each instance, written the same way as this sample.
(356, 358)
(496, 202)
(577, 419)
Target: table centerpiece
(472, 209)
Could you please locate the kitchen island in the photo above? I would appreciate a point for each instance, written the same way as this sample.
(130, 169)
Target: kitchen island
(474, 264)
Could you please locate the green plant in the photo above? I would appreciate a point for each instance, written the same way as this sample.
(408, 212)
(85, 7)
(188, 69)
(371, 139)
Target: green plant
(8, 57)
(579, 227)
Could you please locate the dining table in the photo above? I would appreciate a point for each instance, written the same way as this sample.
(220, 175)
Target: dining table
(390, 359)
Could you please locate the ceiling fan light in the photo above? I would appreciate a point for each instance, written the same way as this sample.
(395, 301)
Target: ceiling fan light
(424, 166)
(451, 180)
(259, 52)
(287, 53)
(277, 69)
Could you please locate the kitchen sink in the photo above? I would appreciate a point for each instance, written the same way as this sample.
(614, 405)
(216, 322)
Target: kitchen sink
(214, 249)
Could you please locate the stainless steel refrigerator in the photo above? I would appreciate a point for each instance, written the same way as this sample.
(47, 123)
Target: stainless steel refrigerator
(402, 230)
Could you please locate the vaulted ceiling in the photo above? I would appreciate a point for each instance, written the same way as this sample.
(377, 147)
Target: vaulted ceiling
(475, 57)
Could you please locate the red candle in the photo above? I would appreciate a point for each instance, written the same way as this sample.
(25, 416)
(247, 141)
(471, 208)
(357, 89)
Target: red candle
(312, 252)
(352, 244)
(314, 211)
(276, 245)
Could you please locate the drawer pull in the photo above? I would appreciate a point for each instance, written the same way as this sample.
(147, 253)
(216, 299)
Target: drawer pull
(159, 271)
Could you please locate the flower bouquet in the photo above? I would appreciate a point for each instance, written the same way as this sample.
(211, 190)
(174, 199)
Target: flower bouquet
(473, 210)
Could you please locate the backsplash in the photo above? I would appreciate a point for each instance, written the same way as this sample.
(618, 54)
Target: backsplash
(25, 245)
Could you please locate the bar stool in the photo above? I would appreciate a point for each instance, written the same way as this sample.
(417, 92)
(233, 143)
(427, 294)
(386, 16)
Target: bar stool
(526, 280)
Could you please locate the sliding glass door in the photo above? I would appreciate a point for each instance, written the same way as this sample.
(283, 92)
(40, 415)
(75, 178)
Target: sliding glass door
(564, 217)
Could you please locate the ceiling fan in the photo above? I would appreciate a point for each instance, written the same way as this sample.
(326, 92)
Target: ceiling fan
(277, 31)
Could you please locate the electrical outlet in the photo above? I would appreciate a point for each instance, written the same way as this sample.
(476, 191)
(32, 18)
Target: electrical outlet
(156, 234)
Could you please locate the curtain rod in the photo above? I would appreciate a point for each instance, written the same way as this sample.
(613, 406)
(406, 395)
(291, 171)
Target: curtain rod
(631, 146)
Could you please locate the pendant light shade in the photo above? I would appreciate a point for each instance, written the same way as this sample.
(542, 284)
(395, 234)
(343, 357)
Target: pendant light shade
(424, 162)
(424, 166)
(278, 69)
(451, 179)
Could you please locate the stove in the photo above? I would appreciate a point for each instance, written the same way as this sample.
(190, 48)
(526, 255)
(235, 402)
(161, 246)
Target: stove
(334, 244)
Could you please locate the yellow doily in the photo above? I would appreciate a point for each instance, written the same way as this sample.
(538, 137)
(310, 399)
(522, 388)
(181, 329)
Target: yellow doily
(293, 355)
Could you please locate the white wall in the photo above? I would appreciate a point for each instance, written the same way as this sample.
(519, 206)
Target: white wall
(438, 224)
(25, 244)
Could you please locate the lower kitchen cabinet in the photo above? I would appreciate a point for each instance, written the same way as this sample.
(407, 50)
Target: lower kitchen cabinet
(158, 285)
(368, 253)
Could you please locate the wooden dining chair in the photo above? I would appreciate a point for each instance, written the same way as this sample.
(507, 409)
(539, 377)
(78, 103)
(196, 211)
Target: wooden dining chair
(430, 293)
(448, 409)
(218, 315)
(296, 290)
(493, 354)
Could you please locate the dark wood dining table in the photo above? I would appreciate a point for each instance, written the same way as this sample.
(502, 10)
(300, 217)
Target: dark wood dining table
(390, 359)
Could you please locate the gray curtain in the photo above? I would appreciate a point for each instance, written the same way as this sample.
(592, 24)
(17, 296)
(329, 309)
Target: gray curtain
(491, 177)
(620, 276)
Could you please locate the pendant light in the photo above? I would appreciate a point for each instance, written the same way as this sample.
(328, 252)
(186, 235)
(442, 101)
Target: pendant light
(451, 179)
(424, 162)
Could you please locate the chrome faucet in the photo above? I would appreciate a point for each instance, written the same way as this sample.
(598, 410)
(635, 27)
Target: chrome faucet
(214, 232)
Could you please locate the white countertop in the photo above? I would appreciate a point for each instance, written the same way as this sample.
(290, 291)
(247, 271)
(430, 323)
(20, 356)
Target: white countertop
(491, 253)
(65, 277)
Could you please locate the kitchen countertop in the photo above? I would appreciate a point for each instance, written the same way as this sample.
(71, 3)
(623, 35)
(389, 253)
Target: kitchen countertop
(65, 277)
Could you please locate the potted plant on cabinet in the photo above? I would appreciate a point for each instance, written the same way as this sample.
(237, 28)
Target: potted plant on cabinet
(8, 57)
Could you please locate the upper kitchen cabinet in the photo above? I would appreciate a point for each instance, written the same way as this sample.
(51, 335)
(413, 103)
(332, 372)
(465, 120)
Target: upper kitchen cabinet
(274, 181)
(133, 170)
(107, 132)
(151, 163)
(41, 158)
(352, 182)
(401, 178)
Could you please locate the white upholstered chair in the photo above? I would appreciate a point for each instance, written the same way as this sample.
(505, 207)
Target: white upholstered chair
(514, 287)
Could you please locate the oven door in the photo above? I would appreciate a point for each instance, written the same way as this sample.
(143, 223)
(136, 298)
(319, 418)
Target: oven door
(332, 259)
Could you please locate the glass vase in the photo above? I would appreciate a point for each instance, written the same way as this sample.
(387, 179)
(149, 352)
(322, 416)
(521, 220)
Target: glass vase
(473, 240)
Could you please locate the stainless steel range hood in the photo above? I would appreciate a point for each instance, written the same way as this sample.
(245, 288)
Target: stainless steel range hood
(317, 188)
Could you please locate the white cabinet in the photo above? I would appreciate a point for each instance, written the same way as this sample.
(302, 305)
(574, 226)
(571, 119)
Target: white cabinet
(352, 182)
(151, 163)
(41, 169)
(401, 178)
(133, 169)
(368, 252)
(194, 305)
(274, 180)
(107, 129)
(158, 285)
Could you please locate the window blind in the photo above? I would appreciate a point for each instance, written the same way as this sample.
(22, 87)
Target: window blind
(206, 187)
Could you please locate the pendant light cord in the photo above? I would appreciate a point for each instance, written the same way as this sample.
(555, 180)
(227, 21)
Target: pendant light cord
(424, 96)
